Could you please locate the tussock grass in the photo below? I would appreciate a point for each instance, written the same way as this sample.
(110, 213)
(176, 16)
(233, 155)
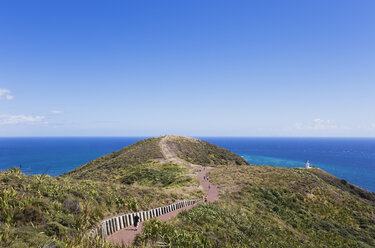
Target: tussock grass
(40, 209)
(264, 206)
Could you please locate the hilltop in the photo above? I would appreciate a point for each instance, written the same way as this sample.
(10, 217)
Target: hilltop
(258, 206)
(150, 153)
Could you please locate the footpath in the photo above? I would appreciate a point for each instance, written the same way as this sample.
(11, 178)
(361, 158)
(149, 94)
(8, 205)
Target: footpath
(127, 235)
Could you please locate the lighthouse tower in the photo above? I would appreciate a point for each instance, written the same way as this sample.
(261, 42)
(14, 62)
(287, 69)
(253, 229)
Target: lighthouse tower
(307, 166)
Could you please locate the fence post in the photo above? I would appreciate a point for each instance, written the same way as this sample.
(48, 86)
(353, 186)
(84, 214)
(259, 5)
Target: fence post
(107, 228)
(115, 223)
(104, 230)
(111, 222)
(124, 219)
(131, 217)
(118, 223)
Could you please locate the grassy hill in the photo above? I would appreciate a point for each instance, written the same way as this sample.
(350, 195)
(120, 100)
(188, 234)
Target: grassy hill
(262, 206)
(146, 156)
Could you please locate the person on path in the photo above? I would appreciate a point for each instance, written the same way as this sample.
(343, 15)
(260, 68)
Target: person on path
(205, 199)
(209, 186)
(136, 221)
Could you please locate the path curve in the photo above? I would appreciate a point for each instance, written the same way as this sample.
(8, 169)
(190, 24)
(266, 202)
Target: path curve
(127, 235)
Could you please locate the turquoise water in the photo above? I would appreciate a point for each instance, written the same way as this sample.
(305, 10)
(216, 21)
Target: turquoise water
(350, 159)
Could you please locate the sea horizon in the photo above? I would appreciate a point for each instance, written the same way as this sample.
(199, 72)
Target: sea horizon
(213, 136)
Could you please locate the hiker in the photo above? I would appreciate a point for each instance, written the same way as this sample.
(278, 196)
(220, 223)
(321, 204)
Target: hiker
(204, 177)
(205, 199)
(209, 186)
(136, 221)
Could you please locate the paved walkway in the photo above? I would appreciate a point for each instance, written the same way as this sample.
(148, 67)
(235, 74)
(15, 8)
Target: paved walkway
(127, 235)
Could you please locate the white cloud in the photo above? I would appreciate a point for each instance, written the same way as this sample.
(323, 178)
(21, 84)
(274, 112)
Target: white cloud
(5, 93)
(318, 124)
(324, 124)
(56, 112)
(6, 119)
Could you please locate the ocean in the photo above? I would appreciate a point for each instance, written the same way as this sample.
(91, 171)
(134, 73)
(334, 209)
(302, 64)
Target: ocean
(352, 159)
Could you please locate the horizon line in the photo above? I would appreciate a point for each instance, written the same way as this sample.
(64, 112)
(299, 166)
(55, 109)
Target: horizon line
(195, 136)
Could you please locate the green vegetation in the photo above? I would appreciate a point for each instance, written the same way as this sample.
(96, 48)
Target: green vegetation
(117, 165)
(204, 153)
(263, 206)
(164, 175)
(344, 185)
(114, 165)
(40, 209)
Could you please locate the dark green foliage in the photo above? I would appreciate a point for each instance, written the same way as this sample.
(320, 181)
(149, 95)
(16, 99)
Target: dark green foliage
(55, 229)
(166, 175)
(29, 214)
(157, 233)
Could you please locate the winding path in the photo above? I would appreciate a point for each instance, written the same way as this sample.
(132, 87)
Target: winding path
(127, 235)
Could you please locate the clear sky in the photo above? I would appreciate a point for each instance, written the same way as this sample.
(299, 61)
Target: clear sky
(199, 68)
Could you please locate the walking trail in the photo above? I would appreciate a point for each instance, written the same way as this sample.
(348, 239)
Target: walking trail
(127, 235)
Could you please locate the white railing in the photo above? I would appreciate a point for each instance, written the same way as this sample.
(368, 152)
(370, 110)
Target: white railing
(114, 224)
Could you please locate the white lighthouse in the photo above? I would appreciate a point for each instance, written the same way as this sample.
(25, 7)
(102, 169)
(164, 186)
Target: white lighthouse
(307, 166)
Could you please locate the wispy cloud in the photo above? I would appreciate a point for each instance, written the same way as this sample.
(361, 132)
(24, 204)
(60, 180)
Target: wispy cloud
(56, 112)
(318, 124)
(7, 119)
(6, 94)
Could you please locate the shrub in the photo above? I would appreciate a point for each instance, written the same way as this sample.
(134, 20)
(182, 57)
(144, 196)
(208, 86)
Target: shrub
(29, 214)
(55, 229)
(73, 206)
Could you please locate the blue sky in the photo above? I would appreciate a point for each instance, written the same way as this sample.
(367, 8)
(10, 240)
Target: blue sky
(199, 68)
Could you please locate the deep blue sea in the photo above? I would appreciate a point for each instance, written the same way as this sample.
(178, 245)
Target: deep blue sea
(351, 159)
